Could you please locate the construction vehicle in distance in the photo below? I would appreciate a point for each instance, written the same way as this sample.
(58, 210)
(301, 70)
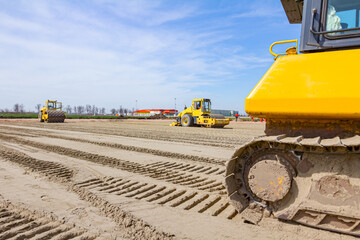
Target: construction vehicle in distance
(199, 114)
(307, 167)
(52, 112)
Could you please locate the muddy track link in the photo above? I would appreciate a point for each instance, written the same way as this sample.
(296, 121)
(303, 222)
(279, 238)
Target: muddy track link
(211, 204)
(190, 179)
(322, 194)
(47, 168)
(19, 223)
(155, 152)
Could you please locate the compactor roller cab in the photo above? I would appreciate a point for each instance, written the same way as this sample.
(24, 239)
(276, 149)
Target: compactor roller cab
(52, 112)
(307, 167)
(199, 114)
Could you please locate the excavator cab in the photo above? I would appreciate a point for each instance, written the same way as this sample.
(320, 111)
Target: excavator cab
(327, 25)
(319, 83)
(306, 168)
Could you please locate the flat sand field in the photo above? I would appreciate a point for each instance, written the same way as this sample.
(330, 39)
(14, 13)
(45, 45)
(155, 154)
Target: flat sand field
(125, 179)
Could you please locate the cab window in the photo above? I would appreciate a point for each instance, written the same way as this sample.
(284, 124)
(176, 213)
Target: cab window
(197, 105)
(51, 105)
(207, 106)
(342, 14)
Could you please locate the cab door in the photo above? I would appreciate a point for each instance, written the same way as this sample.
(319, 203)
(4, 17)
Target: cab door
(197, 105)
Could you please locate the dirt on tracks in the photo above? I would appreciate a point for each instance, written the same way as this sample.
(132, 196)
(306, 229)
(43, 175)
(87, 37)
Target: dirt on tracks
(130, 180)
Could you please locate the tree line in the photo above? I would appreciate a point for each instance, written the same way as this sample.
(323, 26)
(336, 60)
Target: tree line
(81, 110)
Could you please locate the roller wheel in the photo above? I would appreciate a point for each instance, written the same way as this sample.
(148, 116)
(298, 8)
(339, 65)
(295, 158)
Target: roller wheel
(187, 120)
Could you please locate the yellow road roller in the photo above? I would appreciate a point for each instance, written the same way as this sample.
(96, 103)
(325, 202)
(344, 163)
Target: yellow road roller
(199, 114)
(52, 112)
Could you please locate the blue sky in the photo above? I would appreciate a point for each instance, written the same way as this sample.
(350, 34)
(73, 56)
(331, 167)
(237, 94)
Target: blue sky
(112, 53)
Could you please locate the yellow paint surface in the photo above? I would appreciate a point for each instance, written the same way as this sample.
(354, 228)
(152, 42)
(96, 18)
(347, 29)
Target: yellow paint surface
(314, 85)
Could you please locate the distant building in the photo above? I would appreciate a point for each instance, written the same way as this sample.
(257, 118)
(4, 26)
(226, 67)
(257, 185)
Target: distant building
(152, 112)
(227, 113)
(141, 113)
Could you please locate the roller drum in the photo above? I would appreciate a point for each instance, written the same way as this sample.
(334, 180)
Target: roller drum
(220, 121)
(56, 116)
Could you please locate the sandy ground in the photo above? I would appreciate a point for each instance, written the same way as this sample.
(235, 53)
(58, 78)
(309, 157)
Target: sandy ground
(125, 179)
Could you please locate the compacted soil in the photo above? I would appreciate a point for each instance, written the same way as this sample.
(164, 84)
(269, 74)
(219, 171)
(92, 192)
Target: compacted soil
(125, 179)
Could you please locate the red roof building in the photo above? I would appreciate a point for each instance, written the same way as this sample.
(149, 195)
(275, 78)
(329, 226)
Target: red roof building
(151, 112)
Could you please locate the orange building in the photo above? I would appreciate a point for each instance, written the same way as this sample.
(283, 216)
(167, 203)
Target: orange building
(151, 112)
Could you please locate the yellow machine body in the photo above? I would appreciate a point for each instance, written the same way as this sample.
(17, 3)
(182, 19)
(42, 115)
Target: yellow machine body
(305, 168)
(52, 112)
(294, 87)
(199, 114)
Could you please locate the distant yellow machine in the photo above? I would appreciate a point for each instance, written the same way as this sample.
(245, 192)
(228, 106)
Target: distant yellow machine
(52, 112)
(199, 114)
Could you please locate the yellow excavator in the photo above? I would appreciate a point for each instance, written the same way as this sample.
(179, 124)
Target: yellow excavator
(52, 112)
(199, 114)
(307, 167)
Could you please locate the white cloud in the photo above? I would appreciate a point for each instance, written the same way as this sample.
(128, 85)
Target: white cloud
(151, 13)
(261, 12)
(260, 8)
(9, 22)
(111, 52)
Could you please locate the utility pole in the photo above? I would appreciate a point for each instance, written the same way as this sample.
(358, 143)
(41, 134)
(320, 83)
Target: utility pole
(136, 105)
(175, 103)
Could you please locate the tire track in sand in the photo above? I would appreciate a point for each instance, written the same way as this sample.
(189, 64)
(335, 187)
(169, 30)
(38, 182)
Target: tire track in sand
(133, 227)
(191, 176)
(120, 146)
(47, 168)
(20, 223)
(209, 198)
(197, 201)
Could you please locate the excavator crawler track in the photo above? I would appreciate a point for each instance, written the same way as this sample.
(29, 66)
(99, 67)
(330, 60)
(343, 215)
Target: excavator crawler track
(318, 180)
